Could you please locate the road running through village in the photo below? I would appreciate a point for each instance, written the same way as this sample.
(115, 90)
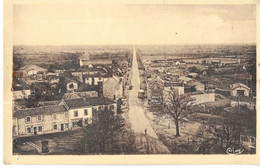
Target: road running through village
(146, 139)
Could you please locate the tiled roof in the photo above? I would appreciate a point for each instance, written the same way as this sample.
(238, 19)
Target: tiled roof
(44, 110)
(76, 103)
(236, 85)
(20, 85)
(70, 96)
(49, 103)
(94, 101)
(33, 67)
(91, 101)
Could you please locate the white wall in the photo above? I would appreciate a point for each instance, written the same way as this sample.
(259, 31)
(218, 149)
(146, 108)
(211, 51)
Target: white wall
(203, 98)
(80, 114)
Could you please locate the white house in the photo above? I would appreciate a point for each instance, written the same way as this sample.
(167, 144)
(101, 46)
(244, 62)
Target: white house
(71, 86)
(113, 88)
(239, 89)
(32, 70)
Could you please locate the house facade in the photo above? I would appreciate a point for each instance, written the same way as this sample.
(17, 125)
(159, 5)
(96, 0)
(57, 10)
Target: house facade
(80, 112)
(113, 88)
(71, 86)
(239, 89)
(40, 120)
(85, 60)
(63, 116)
(201, 97)
(21, 94)
(20, 90)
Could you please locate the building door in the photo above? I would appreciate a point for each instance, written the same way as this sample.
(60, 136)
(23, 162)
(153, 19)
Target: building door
(62, 127)
(80, 123)
(240, 92)
(35, 130)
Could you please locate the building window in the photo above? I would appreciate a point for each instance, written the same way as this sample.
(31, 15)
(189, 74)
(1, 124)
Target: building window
(86, 112)
(66, 115)
(99, 108)
(55, 127)
(86, 121)
(39, 128)
(76, 114)
(71, 86)
(54, 117)
(66, 125)
(94, 109)
(28, 130)
(39, 118)
(99, 78)
(28, 119)
(112, 107)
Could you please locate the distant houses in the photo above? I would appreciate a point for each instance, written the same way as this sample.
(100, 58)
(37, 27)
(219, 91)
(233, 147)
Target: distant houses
(193, 75)
(78, 95)
(86, 60)
(31, 70)
(20, 90)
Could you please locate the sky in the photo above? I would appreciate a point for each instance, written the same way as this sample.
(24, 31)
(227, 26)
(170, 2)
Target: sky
(106, 24)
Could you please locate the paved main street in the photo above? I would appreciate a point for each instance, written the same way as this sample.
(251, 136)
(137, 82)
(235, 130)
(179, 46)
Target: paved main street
(149, 143)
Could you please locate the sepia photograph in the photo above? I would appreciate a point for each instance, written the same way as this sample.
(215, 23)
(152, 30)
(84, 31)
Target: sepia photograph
(139, 79)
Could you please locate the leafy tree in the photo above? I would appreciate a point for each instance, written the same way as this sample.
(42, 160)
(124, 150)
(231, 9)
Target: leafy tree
(193, 69)
(17, 62)
(103, 133)
(218, 137)
(119, 104)
(178, 106)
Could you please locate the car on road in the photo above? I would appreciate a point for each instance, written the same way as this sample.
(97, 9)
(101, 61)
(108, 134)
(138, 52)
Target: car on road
(130, 87)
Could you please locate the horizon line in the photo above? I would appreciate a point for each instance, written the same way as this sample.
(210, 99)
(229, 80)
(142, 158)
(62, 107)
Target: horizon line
(133, 44)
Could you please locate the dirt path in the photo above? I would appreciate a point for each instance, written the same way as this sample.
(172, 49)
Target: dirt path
(145, 142)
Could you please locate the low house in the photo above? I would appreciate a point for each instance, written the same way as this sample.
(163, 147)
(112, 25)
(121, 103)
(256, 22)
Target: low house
(50, 103)
(155, 92)
(177, 87)
(216, 62)
(80, 112)
(75, 95)
(113, 88)
(94, 79)
(84, 111)
(71, 85)
(239, 89)
(204, 72)
(53, 79)
(59, 116)
(29, 70)
(202, 97)
(40, 120)
(179, 62)
(86, 60)
(21, 90)
(193, 75)
(186, 80)
(198, 86)
(78, 75)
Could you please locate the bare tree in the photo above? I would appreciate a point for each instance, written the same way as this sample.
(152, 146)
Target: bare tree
(218, 137)
(106, 134)
(178, 106)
